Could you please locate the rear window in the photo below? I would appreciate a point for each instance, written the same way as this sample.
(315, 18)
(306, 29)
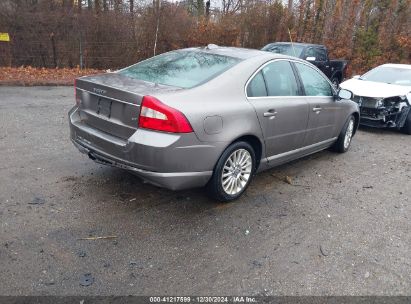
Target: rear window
(285, 49)
(184, 69)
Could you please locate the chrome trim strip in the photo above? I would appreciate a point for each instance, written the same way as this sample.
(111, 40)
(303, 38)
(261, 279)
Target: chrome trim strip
(105, 85)
(108, 97)
(289, 60)
(275, 97)
(316, 97)
(301, 149)
(288, 97)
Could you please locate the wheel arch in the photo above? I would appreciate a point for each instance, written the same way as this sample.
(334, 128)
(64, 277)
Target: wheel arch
(255, 143)
(357, 120)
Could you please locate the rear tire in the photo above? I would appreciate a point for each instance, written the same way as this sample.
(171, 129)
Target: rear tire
(344, 139)
(407, 126)
(233, 172)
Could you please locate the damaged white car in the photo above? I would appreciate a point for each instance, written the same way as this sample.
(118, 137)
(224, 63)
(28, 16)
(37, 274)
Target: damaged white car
(384, 96)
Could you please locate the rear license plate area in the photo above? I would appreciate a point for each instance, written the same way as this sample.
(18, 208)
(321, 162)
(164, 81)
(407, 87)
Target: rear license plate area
(104, 107)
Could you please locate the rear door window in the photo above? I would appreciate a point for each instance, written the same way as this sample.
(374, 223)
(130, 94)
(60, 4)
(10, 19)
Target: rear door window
(184, 69)
(314, 83)
(321, 55)
(310, 52)
(256, 87)
(280, 80)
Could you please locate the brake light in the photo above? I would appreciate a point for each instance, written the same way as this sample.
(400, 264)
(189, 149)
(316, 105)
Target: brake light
(155, 115)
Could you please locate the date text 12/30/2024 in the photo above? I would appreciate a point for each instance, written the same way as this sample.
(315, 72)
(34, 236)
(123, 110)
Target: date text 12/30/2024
(203, 299)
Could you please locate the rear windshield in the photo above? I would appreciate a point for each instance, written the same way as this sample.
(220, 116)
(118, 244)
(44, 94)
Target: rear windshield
(285, 49)
(389, 74)
(184, 69)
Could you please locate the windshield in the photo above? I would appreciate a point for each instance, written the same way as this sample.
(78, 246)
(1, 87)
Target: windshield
(285, 49)
(184, 69)
(389, 74)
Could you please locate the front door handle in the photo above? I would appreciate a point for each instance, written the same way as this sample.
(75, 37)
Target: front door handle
(317, 109)
(271, 113)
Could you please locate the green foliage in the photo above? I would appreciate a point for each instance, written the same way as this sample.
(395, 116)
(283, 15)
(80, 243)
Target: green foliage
(366, 45)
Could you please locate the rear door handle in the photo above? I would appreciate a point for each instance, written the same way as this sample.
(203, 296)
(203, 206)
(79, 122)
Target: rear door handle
(317, 109)
(271, 113)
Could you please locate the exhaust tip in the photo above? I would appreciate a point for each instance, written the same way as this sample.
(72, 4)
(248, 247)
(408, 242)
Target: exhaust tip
(91, 156)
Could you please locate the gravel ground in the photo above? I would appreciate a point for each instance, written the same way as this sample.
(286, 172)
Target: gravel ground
(341, 228)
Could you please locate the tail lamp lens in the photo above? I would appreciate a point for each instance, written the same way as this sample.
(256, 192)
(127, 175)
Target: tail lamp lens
(155, 115)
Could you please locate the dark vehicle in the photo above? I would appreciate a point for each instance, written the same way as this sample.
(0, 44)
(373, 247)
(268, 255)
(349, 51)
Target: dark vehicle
(316, 54)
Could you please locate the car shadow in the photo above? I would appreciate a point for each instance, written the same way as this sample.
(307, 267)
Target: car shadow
(123, 191)
(391, 131)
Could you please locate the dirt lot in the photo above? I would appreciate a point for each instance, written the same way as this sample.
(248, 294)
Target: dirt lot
(342, 227)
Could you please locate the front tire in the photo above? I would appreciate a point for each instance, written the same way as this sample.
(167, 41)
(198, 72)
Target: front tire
(344, 139)
(233, 172)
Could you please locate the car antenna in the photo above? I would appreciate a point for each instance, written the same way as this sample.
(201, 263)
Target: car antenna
(292, 44)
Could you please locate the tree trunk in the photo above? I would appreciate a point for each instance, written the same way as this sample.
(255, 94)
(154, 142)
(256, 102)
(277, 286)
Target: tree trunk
(97, 6)
(117, 5)
(290, 5)
(200, 8)
(68, 3)
(207, 10)
(53, 45)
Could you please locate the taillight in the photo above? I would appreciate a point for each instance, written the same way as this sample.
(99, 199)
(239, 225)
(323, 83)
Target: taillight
(78, 100)
(155, 115)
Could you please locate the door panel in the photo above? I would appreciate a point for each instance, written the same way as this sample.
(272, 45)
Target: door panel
(323, 109)
(283, 115)
(322, 119)
(286, 129)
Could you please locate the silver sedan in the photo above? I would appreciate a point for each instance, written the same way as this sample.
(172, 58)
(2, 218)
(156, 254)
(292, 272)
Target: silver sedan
(211, 116)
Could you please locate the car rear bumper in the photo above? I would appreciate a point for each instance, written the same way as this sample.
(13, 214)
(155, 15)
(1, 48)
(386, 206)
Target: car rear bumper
(169, 180)
(172, 161)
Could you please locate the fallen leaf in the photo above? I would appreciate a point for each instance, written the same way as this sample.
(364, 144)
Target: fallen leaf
(93, 238)
(288, 180)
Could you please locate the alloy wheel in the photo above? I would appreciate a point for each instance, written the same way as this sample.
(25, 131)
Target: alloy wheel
(349, 133)
(237, 171)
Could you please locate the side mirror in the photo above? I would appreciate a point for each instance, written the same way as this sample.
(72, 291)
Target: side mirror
(345, 94)
(310, 58)
(356, 77)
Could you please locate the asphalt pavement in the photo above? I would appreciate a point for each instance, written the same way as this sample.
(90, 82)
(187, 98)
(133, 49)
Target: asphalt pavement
(342, 227)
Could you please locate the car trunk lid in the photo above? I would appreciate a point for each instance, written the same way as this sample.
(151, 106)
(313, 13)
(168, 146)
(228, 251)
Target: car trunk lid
(111, 102)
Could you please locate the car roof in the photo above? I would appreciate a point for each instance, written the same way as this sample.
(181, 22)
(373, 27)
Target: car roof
(397, 65)
(237, 52)
(298, 43)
